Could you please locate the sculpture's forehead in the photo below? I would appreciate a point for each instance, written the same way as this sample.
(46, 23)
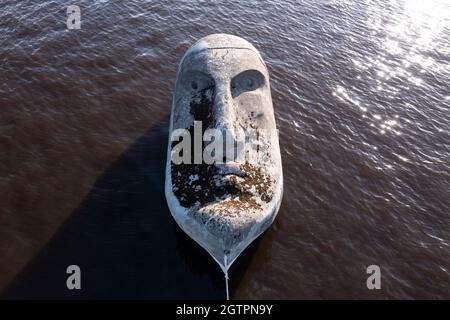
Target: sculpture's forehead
(223, 61)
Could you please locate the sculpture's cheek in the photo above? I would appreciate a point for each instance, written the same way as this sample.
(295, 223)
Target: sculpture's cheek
(252, 110)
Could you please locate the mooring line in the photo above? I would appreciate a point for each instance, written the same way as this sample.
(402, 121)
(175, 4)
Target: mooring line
(226, 277)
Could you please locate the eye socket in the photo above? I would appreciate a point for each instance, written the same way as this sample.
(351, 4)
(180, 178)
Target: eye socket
(197, 81)
(248, 80)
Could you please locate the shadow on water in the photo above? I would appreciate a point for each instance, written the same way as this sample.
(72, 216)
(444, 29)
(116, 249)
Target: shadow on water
(126, 242)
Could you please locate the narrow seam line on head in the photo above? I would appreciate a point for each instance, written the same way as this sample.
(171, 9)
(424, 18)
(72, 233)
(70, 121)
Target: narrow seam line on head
(223, 48)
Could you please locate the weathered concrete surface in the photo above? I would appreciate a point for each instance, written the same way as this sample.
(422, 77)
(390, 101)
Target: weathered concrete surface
(223, 82)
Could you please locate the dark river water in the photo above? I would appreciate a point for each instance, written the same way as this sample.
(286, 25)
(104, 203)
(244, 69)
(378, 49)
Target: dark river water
(362, 98)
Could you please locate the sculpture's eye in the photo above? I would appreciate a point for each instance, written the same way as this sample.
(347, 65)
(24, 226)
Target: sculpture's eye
(197, 81)
(249, 83)
(248, 80)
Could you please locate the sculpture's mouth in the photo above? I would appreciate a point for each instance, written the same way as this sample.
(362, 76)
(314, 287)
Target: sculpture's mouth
(231, 175)
(231, 169)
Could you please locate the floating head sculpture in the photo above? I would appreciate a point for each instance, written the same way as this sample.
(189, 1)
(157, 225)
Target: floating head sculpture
(223, 176)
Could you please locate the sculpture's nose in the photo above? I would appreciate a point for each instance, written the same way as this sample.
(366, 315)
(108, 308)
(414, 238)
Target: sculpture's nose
(223, 105)
(225, 113)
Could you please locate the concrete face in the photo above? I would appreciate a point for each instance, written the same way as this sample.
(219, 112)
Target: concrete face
(223, 82)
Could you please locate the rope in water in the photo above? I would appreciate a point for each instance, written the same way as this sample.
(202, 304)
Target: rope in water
(226, 277)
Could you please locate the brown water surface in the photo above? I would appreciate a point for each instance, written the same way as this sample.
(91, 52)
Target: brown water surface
(361, 96)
